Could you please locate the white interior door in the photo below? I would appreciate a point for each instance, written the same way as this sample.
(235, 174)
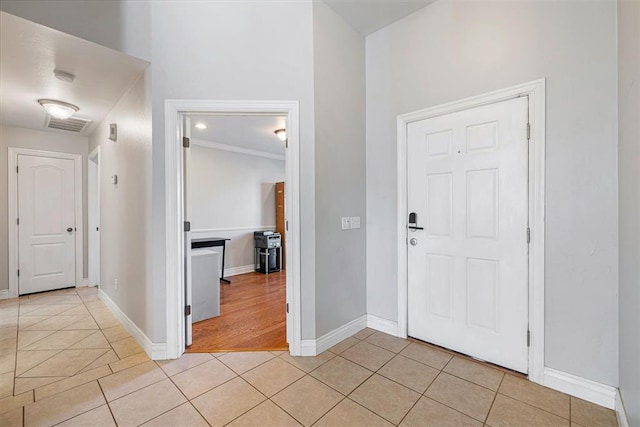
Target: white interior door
(468, 265)
(47, 225)
(186, 195)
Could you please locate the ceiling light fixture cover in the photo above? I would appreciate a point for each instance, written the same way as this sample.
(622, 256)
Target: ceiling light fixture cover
(58, 109)
(200, 126)
(281, 133)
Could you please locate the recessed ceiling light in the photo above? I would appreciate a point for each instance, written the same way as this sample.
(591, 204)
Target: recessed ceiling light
(64, 76)
(200, 126)
(58, 109)
(281, 133)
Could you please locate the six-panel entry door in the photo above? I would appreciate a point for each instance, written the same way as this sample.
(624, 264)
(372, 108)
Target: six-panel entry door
(47, 229)
(468, 245)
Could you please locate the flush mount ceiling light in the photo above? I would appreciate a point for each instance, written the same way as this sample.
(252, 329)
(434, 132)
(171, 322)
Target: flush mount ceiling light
(200, 126)
(281, 133)
(64, 76)
(58, 109)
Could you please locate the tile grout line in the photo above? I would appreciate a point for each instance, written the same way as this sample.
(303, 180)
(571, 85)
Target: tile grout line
(107, 403)
(495, 396)
(266, 398)
(540, 409)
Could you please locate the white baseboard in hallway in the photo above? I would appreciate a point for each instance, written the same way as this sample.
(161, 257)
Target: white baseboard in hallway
(328, 340)
(621, 414)
(156, 351)
(383, 325)
(591, 391)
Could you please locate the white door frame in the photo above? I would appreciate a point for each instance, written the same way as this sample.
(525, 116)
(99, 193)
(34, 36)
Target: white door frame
(93, 198)
(535, 90)
(174, 109)
(14, 263)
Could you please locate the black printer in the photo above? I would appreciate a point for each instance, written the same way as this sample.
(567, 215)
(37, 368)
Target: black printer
(266, 239)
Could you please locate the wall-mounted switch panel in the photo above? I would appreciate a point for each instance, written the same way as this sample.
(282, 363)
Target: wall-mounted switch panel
(346, 223)
(355, 222)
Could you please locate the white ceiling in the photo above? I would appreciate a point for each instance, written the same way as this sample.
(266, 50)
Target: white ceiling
(247, 132)
(368, 16)
(29, 53)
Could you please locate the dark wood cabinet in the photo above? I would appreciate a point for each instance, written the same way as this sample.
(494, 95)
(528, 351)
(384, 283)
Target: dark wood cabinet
(280, 219)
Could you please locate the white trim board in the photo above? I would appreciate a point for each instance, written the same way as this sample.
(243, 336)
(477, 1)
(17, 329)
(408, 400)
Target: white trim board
(12, 194)
(535, 90)
(328, 340)
(156, 351)
(383, 325)
(591, 391)
(621, 414)
(241, 269)
(175, 110)
(234, 149)
(4, 294)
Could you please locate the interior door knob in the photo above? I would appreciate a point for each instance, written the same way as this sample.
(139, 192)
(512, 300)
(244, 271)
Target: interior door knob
(413, 241)
(69, 230)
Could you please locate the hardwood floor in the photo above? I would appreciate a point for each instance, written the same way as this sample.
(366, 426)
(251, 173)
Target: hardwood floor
(252, 316)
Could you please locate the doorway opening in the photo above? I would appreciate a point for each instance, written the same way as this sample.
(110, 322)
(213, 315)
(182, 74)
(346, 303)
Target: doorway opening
(180, 225)
(440, 265)
(234, 199)
(93, 209)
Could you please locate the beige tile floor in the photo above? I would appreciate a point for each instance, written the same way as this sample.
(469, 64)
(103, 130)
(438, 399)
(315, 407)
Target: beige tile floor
(65, 360)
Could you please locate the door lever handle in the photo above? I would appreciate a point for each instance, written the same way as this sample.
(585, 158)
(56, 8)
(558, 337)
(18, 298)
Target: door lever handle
(413, 227)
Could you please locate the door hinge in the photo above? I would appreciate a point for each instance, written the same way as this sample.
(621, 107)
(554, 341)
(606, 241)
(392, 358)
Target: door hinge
(17, 221)
(187, 226)
(286, 225)
(528, 338)
(18, 272)
(528, 131)
(186, 142)
(287, 308)
(17, 168)
(528, 235)
(187, 310)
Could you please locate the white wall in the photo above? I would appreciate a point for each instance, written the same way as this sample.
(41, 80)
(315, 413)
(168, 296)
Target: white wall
(125, 208)
(340, 169)
(233, 195)
(36, 140)
(255, 50)
(122, 25)
(451, 50)
(629, 204)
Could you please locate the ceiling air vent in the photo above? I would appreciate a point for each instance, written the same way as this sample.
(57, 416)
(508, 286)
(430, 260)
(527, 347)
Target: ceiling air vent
(72, 124)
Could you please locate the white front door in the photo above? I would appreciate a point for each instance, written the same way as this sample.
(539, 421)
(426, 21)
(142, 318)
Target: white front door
(468, 265)
(47, 225)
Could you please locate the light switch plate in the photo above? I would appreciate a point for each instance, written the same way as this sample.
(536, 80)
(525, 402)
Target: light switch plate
(355, 222)
(346, 223)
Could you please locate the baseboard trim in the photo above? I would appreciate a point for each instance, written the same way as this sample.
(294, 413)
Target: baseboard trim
(308, 348)
(83, 283)
(328, 340)
(156, 351)
(4, 294)
(621, 414)
(243, 269)
(591, 391)
(383, 325)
